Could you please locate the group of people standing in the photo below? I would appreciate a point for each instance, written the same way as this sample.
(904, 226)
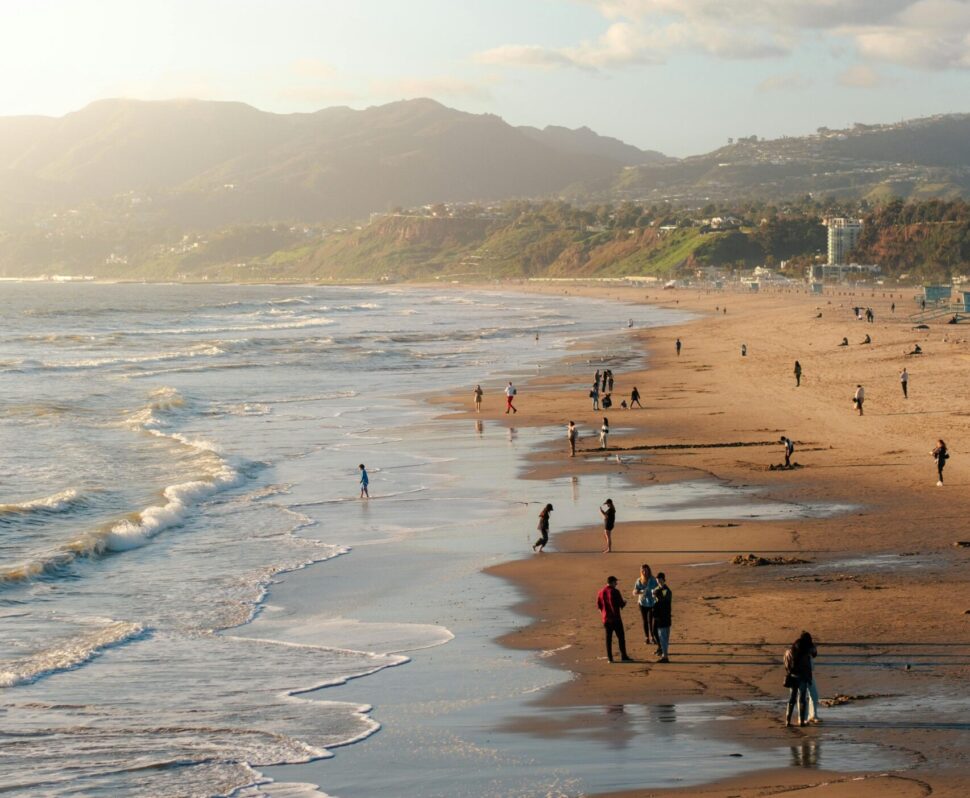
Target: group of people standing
(655, 600)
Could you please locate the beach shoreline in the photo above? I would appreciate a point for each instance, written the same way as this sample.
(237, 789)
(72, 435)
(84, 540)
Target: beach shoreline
(885, 546)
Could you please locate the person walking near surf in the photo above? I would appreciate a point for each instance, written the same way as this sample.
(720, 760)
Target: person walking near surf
(608, 511)
(364, 482)
(543, 528)
(509, 396)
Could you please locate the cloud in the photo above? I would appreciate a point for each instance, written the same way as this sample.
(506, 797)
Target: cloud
(862, 76)
(791, 82)
(924, 34)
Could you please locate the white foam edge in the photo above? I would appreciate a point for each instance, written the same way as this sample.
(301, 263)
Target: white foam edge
(327, 632)
(70, 654)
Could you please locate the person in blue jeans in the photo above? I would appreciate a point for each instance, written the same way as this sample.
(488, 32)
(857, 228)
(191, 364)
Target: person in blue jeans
(798, 676)
(662, 611)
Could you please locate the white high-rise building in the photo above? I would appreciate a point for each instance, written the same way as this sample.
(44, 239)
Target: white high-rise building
(843, 235)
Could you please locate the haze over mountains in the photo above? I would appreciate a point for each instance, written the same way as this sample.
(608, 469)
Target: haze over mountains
(213, 162)
(203, 163)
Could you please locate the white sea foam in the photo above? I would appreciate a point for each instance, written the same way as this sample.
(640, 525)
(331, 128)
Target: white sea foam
(179, 498)
(57, 503)
(68, 654)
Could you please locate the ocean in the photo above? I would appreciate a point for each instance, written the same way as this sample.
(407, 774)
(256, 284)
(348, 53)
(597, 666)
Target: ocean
(172, 452)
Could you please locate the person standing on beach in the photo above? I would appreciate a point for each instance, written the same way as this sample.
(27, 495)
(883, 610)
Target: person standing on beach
(798, 374)
(678, 345)
(610, 602)
(643, 589)
(571, 435)
(608, 511)
(904, 382)
(789, 450)
(478, 398)
(813, 701)
(543, 528)
(662, 615)
(609, 381)
(798, 675)
(892, 307)
(509, 396)
(596, 378)
(941, 455)
(594, 394)
(859, 397)
(635, 398)
(604, 380)
(364, 482)
(604, 432)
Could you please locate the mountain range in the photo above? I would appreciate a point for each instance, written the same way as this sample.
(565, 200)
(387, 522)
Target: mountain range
(200, 164)
(210, 163)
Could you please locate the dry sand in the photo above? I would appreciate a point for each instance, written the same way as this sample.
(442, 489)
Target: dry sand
(899, 630)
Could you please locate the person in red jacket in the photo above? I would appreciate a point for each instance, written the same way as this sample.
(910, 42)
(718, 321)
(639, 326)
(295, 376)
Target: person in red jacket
(610, 602)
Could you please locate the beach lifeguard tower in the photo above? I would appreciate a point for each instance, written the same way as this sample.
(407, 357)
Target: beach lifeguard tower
(937, 294)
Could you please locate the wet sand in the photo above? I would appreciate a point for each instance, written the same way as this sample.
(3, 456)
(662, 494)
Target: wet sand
(884, 588)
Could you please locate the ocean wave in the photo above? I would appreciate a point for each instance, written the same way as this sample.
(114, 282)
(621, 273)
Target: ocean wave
(68, 654)
(56, 503)
(218, 474)
(320, 321)
(202, 350)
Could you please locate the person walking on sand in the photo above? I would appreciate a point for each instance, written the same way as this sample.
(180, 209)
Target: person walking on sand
(364, 482)
(604, 432)
(478, 398)
(571, 435)
(610, 602)
(635, 398)
(594, 394)
(509, 396)
(904, 382)
(643, 589)
(678, 345)
(798, 374)
(798, 675)
(608, 511)
(858, 398)
(941, 455)
(789, 449)
(662, 615)
(543, 528)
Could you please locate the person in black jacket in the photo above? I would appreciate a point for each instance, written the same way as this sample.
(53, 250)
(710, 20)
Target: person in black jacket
(662, 615)
(798, 675)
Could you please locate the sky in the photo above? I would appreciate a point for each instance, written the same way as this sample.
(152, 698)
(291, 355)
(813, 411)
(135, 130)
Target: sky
(679, 76)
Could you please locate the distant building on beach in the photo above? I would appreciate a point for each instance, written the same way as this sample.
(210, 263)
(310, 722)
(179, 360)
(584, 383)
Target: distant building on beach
(843, 235)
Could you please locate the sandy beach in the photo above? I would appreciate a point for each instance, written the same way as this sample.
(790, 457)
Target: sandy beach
(870, 564)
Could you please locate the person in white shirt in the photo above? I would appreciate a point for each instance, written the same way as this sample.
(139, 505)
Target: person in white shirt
(859, 397)
(904, 381)
(509, 395)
